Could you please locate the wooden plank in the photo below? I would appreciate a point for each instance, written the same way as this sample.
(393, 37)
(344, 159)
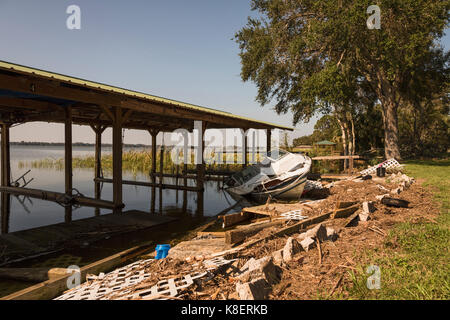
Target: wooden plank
(257, 210)
(151, 184)
(57, 196)
(28, 243)
(350, 219)
(336, 157)
(345, 204)
(345, 212)
(214, 234)
(31, 274)
(234, 218)
(238, 235)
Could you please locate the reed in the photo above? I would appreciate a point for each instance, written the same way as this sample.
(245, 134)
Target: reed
(134, 162)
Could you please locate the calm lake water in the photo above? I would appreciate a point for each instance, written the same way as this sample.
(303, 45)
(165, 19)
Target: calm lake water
(31, 213)
(27, 213)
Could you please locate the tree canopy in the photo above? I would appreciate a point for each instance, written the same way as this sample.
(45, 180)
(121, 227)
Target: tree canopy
(312, 56)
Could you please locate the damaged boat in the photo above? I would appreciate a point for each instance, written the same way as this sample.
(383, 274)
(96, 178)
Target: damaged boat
(280, 175)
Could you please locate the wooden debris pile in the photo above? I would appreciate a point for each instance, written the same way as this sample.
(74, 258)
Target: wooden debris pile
(254, 260)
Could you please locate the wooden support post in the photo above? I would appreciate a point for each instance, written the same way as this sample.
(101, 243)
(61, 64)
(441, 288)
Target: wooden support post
(68, 150)
(6, 159)
(117, 159)
(98, 129)
(68, 175)
(161, 162)
(245, 149)
(5, 212)
(269, 140)
(153, 134)
(201, 169)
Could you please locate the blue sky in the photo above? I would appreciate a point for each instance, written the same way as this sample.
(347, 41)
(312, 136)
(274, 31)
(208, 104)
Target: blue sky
(177, 49)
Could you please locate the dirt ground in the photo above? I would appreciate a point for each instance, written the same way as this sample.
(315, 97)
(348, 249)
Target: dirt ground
(316, 273)
(305, 277)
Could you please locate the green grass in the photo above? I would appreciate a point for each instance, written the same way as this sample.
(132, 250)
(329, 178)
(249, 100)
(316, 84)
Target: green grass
(415, 259)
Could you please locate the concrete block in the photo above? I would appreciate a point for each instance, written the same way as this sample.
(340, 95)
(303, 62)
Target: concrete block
(278, 257)
(318, 232)
(261, 268)
(368, 207)
(291, 248)
(331, 234)
(381, 197)
(301, 236)
(257, 289)
(364, 217)
(308, 244)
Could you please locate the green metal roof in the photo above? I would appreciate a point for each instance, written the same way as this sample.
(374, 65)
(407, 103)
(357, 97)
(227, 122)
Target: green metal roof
(325, 143)
(97, 85)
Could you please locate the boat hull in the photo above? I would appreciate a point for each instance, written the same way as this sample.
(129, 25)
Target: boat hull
(292, 191)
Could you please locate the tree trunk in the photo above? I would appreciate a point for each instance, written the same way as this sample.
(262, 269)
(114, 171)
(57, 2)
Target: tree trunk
(390, 120)
(344, 139)
(353, 135)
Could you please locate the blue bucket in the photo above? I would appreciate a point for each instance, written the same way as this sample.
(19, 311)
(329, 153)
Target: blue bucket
(162, 250)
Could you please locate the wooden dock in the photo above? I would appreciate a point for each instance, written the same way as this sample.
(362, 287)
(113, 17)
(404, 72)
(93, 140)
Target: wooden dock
(38, 241)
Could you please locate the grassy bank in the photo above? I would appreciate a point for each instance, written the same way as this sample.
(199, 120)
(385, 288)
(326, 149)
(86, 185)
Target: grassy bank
(418, 265)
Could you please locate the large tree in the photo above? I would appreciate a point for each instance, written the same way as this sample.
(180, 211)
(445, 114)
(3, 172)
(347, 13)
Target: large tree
(293, 47)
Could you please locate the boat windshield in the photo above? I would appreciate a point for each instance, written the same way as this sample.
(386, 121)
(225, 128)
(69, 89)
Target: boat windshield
(276, 154)
(246, 174)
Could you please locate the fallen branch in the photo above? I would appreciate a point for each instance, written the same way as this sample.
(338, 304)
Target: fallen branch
(336, 285)
(320, 251)
(377, 231)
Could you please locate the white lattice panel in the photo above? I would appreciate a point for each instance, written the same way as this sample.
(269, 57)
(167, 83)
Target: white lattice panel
(114, 281)
(217, 262)
(169, 287)
(294, 215)
(390, 165)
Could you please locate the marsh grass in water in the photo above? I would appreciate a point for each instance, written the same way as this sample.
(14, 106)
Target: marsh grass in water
(132, 161)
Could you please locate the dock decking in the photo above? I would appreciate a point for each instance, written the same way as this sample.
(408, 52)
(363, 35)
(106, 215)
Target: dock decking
(36, 241)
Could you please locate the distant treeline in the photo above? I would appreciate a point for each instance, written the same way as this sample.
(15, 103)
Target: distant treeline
(78, 144)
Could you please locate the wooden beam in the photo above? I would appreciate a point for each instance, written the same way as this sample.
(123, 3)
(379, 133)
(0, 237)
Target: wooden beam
(269, 140)
(108, 113)
(28, 104)
(126, 115)
(57, 197)
(117, 159)
(78, 93)
(150, 184)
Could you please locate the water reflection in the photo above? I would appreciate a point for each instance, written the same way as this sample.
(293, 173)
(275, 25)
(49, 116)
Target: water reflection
(21, 213)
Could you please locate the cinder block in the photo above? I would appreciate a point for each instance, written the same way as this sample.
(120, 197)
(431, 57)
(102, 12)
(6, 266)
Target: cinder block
(308, 244)
(257, 289)
(290, 249)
